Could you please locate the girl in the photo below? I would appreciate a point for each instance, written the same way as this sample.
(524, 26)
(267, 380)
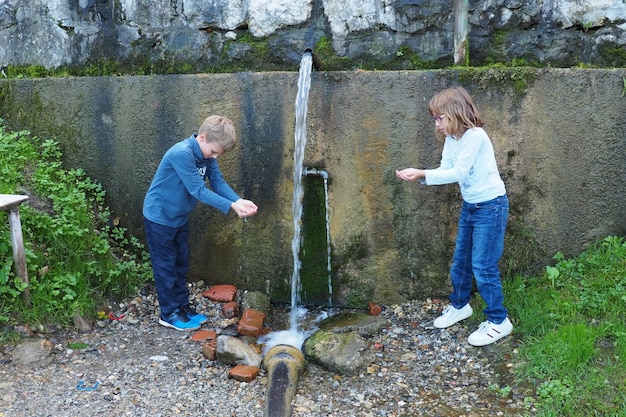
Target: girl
(468, 158)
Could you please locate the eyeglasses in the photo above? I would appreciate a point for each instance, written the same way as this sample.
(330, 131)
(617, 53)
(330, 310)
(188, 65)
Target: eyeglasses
(439, 118)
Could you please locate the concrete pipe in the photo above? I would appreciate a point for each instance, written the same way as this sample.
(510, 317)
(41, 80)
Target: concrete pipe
(284, 365)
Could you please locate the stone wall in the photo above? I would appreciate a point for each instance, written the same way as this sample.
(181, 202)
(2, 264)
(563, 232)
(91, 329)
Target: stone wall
(559, 136)
(212, 36)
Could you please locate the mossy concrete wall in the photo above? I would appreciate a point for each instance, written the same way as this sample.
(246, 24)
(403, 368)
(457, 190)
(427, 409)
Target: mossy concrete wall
(559, 136)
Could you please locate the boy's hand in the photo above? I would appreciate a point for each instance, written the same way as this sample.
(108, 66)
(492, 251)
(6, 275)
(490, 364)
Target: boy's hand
(244, 208)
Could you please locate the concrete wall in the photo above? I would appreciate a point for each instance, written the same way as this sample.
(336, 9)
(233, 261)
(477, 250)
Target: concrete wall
(559, 137)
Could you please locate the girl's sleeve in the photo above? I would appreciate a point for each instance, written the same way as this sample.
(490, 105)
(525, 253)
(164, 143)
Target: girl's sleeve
(450, 172)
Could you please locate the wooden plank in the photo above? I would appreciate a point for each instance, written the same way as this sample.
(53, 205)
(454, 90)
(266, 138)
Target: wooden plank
(10, 203)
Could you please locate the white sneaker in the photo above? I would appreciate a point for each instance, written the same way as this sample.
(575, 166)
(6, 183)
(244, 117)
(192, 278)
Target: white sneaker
(488, 333)
(453, 315)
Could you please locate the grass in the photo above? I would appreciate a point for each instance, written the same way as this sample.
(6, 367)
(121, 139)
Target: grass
(572, 325)
(77, 259)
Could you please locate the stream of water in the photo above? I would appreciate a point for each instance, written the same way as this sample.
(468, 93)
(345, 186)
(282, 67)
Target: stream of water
(293, 336)
(302, 103)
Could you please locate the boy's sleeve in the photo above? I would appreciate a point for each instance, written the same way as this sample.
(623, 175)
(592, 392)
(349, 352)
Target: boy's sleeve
(196, 186)
(218, 184)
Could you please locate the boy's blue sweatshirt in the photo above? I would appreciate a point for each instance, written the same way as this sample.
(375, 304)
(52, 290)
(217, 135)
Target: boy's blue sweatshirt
(180, 182)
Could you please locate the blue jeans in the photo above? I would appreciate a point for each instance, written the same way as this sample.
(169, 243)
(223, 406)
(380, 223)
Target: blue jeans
(479, 246)
(169, 254)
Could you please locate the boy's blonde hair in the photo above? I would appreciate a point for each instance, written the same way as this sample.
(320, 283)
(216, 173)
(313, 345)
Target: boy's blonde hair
(457, 105)
(219, 130)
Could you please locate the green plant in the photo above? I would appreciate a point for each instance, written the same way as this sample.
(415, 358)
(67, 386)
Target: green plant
(75, 259)
(572, 327)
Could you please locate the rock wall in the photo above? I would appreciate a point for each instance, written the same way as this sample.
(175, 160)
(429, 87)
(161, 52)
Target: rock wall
(559, 136)
(166, 36)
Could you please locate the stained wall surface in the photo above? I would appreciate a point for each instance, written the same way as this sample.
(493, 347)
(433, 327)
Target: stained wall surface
(559, 136)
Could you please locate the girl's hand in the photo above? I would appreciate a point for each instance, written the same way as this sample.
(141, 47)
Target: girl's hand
(244, 208)
(410, 174)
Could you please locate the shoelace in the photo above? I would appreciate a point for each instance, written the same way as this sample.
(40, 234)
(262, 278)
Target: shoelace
(484, 327)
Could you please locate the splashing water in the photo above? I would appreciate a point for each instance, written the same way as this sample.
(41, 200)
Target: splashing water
(302, 102)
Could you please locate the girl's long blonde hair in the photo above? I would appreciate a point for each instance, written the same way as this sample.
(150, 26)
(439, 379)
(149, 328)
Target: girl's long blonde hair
(459, 108)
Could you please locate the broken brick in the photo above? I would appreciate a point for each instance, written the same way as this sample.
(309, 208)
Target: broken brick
(222, 293)
(209, 350)
(244, 373)
(230, 310)
(251, 322)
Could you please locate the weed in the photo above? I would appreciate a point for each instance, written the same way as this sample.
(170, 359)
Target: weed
(573, 332)
(75, 259)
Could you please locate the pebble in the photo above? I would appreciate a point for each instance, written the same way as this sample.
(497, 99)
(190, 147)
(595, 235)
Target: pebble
(139, 368)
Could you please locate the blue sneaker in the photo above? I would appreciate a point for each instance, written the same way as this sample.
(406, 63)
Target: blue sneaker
(193, 315)
(178, 320)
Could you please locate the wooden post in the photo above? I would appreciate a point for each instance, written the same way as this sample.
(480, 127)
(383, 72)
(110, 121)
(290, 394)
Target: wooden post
(10, 203)
(461, 30)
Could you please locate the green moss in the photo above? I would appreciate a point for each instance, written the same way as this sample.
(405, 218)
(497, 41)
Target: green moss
(314, 274)
(404, 59)
(519, 79)
(496, 52)
(326, 58)
(614, 54)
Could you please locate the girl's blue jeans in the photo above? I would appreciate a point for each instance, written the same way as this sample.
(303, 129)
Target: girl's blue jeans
(169, 255)
(479, 246)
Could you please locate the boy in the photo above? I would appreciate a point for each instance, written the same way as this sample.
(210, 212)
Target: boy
(176, 187)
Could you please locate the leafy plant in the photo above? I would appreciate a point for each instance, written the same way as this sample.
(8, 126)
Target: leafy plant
(572, 326)
(75, 257)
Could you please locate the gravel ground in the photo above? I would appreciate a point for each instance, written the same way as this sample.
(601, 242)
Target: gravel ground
(135, 367)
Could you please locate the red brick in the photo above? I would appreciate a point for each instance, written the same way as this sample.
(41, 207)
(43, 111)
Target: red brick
(202, 335)
(251, 322)
(244, 373)
(374, 309)
(209, 350)
(230, 310)
(222, 293)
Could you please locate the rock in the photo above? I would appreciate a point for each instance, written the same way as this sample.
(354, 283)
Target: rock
(345, 353)
(364, 324)
(82, 323)
(233, 351)
(37, 353)
(256, 300)
(67, 35)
